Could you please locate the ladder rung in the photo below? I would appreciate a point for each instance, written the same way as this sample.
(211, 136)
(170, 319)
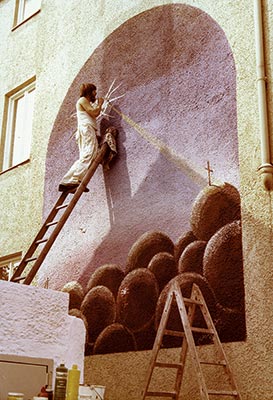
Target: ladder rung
(30, 259)
(52, 223)
(202, 330)
(19, 278)
(221, 363)
(41, 241)
(62, 206)
(192, 301)
(223, 392)
(168, 365)
(173, 333)
(161, 394)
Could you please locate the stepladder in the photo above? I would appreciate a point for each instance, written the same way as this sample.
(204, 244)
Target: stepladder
(54, 222)
(209, 365)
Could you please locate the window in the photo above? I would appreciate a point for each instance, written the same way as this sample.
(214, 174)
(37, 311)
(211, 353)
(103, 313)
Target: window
(18, 130)
(24, 9)
(8, 265)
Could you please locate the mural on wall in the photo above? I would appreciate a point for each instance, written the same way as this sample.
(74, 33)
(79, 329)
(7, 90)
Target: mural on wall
(159, 213)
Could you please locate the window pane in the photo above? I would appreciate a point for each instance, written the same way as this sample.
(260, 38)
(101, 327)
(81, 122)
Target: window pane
(30, 7)
(23, 128)
(18, 133)
(9, 264)
(25, 8)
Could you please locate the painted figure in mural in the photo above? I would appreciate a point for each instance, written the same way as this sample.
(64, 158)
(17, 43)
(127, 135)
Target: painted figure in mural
(88, 109)
(110, 136)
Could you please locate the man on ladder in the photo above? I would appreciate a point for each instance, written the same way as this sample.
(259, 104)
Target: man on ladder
(74, 182)
(88, 109)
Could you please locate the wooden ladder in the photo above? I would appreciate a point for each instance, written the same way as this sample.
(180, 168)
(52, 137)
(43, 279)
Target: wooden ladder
(187, 308)
(41, 238)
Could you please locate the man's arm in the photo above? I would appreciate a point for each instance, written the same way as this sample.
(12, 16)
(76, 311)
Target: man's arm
(86, 106)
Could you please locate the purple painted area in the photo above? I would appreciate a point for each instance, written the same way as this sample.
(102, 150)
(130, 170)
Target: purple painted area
(178, 73)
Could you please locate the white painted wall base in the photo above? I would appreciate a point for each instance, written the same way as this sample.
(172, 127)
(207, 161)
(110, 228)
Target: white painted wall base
(34, 322)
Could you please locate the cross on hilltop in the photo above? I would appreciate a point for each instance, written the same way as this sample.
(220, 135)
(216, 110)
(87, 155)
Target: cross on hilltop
(209, 172)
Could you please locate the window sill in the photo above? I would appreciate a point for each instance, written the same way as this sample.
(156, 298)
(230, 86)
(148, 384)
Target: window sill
(15, 166)
(11, 257)
(25, 20)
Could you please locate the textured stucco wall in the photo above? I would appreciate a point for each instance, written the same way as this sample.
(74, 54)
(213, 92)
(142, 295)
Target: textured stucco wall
(35, 323)
(20, 194)
(56, 61)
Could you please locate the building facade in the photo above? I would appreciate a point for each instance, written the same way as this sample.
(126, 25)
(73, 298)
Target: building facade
(189, 189)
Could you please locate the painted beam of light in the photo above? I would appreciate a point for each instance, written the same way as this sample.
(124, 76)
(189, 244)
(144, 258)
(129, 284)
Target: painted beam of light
(197, 176)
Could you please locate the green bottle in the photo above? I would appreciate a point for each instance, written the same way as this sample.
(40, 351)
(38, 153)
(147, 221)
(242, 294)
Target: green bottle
(60, 382)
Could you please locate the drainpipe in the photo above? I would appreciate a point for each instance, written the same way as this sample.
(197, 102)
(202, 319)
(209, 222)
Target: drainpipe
(266, 168)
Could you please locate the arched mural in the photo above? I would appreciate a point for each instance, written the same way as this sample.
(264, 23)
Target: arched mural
(157, 214)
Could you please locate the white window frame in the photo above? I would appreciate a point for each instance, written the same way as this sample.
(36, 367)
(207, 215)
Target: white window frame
(20, 15)
(11, 262)
(8, 146)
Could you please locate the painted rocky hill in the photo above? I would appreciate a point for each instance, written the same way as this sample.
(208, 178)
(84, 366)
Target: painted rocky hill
(122, 305)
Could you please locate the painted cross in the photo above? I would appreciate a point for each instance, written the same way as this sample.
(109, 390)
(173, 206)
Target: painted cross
(209, 172)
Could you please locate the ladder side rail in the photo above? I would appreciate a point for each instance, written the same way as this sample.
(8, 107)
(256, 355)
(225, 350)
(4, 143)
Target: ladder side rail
(191, 344)
(91, 170)
(180, 371)
(184, 350)
(158, 340)
(219, 348)
(39, 236)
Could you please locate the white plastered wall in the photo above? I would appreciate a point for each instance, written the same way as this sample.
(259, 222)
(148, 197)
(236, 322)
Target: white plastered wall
(34, 322)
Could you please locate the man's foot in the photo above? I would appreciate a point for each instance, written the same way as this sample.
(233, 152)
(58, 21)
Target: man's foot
(71, 188)
(66, 188)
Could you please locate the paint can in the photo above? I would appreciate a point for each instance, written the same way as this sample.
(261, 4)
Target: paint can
(15, 396)
(39, 398)
(91, 392)
(97, 392)
(84, 392)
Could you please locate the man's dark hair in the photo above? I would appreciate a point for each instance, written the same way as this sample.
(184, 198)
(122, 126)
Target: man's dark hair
(87, 89)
